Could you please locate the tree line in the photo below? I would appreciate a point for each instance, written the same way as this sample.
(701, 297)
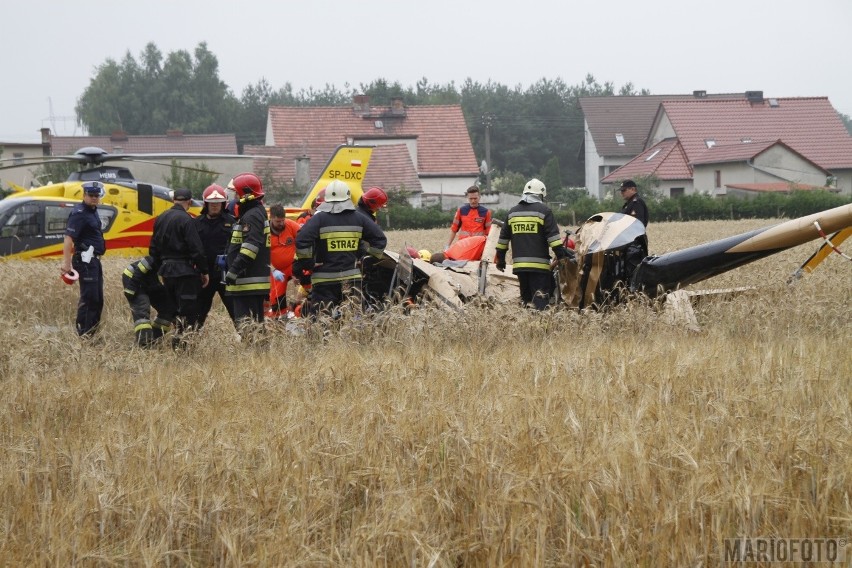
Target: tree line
(533, 131)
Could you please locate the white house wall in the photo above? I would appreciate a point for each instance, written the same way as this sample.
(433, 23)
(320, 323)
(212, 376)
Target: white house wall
(779, 162)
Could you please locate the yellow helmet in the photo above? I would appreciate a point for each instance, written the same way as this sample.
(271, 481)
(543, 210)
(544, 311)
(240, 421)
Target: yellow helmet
(425, 255)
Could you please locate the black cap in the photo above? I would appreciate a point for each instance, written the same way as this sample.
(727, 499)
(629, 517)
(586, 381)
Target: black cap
(182, 194)
(628, 183)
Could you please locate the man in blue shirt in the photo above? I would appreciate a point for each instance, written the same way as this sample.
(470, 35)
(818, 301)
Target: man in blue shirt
(83, 246)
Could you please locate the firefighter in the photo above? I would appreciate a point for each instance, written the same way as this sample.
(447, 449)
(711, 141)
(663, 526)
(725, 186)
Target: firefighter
(214, 226)
(247, 276)
(81, 251)
(470, 220)
(176, 248)
(282, 252)
(532, 232)
(371, 201)
(328, 250)
(143, 290)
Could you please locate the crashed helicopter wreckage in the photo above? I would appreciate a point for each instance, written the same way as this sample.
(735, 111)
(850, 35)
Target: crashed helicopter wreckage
(610, 265)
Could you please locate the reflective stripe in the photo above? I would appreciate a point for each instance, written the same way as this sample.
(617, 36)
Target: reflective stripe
(378, 253)
(130, 292)
(335, 277)
(144, 324)
(128, 272)
(554, 242)
(342, 230)
(340, 235)
(248, 287)
(531, 262)
(247, 252)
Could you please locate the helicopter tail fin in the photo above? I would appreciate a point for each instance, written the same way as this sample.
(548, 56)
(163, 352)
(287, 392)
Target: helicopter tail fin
(349, 164)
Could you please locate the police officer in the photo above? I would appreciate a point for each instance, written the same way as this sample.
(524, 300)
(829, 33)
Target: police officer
(81, 250)
(143, 290)
(247, 276)
(532, 232)
(633, 204)
(327, 249)
(214, 226)
(176, 248)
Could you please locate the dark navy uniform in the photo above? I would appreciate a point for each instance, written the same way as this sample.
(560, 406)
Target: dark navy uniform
(328, 250)
(636, 207)
(215, 235)
(143, 290)
(176, 248)
(84, 228)
(248, 263)
(532, 231)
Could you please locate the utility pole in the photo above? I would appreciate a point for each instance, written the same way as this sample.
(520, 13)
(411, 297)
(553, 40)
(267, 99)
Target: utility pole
(486, 120)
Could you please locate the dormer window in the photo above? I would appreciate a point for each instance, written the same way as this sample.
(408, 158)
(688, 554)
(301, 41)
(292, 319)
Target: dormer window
(619, 137)
(709, 142)
(745, 140)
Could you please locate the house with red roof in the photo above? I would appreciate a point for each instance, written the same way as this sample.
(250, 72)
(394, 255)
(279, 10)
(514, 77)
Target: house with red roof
(616, 130)
(750, 143)
(423, 150)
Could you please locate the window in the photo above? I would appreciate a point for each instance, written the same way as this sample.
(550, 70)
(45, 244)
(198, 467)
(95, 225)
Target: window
(17, 158)
(676, 192)
(107, 215)
(709, 142)
(22, 222)
(55, 219)
(619, 137)
(717, 175)
(651, 157)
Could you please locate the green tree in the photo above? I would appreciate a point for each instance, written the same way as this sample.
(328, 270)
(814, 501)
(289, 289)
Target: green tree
(552, 179)
(195, 178)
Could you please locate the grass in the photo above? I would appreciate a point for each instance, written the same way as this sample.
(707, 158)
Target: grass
(493, 437)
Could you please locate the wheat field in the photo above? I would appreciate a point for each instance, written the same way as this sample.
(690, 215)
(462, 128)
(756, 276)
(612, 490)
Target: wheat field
(491, 437)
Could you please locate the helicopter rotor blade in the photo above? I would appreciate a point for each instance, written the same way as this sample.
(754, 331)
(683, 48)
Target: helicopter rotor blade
(179, 166)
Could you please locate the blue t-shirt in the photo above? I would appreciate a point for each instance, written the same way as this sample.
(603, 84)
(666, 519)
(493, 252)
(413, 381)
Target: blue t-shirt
(84, 226)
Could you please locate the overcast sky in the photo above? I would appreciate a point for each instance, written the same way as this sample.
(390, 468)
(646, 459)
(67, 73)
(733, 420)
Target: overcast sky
(782, 47)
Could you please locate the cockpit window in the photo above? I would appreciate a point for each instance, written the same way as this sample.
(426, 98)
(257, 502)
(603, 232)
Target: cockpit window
(22, 222)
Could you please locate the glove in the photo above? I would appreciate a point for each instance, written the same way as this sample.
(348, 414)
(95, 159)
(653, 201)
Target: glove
(86, 255)
(222, 262)
(278, 275)
(501, 262)
(305, 278)
(230, 277)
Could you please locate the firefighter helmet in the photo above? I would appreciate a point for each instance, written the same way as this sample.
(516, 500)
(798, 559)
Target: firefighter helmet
(425, 255)
(248, 186)
(535, 187)
(375, 198)
(337, 191)
(214, 194)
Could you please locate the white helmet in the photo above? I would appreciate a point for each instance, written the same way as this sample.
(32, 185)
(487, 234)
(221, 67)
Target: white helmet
(337, 191)
(535, 187)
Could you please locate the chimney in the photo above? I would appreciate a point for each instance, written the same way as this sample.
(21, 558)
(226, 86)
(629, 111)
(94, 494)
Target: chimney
(699, 94)
(361, 104)
(174, 133)
(45, 141)
(754, 96)
(397, 106)
(118, 136)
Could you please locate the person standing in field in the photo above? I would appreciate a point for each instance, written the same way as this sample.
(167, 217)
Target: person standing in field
(177, 249)
(247, 276)
(214, 226)
(282, 252)
(634, 205)
(531, 231)
(81, 251)
(470, 220)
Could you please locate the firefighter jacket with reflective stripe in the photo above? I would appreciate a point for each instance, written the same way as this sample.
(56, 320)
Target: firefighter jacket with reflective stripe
(248, 252)
(215, 235)
(140, 275)
(329, 244)
(532, 232)
(175, 245)
(471, 222)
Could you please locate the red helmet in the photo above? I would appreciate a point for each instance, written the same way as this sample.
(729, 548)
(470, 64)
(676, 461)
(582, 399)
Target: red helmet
(375, 198)
(248, 186)
(319, 199)
(214, 194)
